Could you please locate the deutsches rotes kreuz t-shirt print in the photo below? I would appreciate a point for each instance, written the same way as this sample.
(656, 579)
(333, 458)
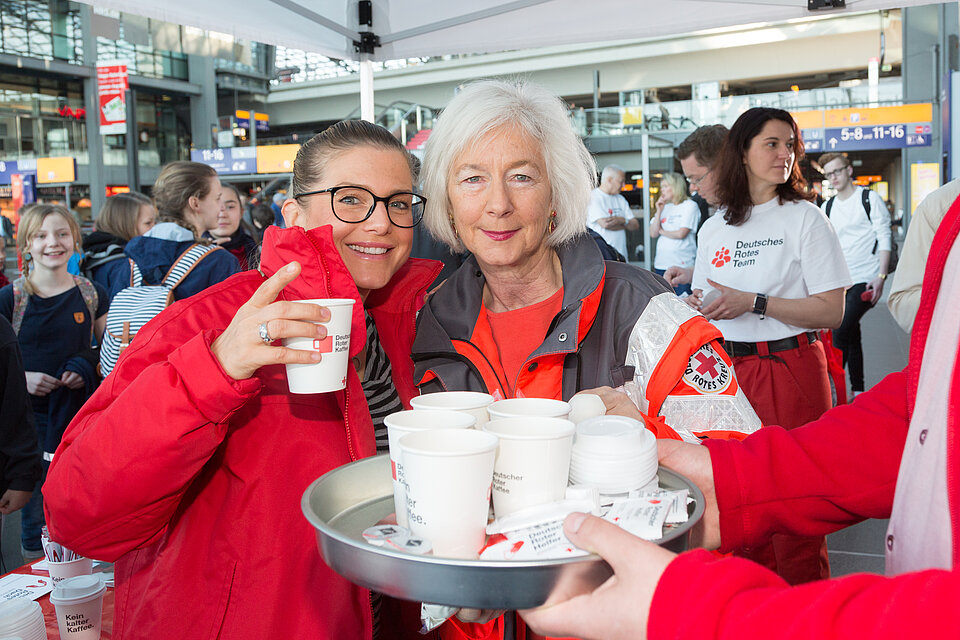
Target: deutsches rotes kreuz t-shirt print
(787, 250)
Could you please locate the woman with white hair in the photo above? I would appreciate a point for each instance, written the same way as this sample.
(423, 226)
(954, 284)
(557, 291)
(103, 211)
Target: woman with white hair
(674, 223)
(535, 311)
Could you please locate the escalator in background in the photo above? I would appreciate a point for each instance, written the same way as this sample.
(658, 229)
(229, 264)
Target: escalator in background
(410, 122)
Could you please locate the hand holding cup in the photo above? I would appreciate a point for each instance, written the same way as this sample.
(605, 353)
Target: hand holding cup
(241, 351)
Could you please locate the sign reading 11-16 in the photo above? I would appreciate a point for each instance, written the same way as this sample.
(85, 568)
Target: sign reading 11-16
(867, 128)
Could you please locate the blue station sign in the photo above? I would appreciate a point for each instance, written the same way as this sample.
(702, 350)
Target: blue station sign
(228, 161)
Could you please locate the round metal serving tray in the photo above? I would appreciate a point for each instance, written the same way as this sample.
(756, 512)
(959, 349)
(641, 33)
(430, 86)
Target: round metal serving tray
(345, 501)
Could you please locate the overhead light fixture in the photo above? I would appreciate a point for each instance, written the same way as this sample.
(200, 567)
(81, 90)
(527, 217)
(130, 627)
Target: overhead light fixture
(817, 5)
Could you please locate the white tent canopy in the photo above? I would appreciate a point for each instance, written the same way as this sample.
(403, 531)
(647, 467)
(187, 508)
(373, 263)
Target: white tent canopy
(413, 28)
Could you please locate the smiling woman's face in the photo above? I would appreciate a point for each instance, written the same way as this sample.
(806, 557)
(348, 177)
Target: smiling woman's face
(501, 199)
(373, 250)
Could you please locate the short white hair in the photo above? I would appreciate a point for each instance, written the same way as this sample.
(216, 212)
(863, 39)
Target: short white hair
(488, 105)
(613, 168)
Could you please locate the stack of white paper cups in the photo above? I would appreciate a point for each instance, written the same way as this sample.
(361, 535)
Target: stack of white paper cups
(539, 407)
(400, 424)
(613, 453)
(472, 402)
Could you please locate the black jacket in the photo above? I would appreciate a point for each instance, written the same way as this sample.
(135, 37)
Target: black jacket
(19, 452)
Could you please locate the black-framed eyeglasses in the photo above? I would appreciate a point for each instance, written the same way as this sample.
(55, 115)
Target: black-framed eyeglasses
(355, 204)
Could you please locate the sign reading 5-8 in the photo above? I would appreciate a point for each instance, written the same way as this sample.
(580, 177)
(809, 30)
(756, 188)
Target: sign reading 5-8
(893, 131)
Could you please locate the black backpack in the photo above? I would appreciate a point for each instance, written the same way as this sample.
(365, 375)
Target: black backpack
(894, 251)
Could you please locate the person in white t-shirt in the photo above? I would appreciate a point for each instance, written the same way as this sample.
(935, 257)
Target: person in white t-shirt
(698, 155)
(674, 224)
(865, 240)
(773, 272)
(609, 212)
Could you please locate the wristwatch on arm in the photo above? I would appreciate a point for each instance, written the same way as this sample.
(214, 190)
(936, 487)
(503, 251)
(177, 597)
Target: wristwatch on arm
(760, 305)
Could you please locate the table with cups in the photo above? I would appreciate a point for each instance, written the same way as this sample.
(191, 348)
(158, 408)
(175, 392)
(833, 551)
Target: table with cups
(83, 599)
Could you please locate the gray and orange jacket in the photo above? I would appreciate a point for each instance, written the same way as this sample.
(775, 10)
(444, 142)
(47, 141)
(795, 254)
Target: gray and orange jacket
(619, 326)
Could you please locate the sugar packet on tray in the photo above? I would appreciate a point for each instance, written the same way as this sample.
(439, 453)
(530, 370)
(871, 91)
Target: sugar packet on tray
(677, 499)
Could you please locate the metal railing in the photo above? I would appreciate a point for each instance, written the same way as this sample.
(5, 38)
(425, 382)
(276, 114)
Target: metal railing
(686, 115)
(402, 118)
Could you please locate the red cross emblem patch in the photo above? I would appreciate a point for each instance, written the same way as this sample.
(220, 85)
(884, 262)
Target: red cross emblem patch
(707, 372)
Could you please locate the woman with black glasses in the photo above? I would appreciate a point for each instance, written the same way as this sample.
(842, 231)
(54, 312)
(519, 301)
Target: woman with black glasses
(187, 467)
(773, 272)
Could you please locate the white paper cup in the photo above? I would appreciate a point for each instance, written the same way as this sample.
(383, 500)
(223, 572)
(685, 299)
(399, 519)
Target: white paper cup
(63, 570)
(448, 473)
(79, 605)
(533, 461)
(330, 374)
(472, 402)
(537, 407)
(400, 424)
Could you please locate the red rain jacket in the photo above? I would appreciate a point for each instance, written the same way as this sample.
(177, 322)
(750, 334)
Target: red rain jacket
(191, 481)
(813, 480)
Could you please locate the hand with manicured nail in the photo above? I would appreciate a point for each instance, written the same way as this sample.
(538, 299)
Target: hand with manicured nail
(240, 349)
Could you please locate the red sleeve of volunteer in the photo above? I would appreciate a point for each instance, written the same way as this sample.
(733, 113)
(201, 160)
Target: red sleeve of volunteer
(700, 597)
(815, 479)
(129, 455)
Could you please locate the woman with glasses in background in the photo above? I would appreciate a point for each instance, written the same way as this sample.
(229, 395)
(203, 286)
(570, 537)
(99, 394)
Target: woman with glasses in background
(198, 500)
(774, 274)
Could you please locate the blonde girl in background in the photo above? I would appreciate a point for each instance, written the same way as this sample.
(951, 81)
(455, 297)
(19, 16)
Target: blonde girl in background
(675, 224)
(57, 316)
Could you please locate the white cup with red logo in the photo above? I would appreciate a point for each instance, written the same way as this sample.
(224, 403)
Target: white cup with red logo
(330, 374)
(400, 424)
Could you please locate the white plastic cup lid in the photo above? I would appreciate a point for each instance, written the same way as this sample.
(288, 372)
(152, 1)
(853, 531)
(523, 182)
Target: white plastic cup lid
(77, 589)
(16, 612)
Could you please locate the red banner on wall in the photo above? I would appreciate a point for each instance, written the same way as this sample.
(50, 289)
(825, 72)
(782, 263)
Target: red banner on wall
(111, 91)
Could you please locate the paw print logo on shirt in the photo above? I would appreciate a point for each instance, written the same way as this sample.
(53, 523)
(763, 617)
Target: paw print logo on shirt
(721, 257)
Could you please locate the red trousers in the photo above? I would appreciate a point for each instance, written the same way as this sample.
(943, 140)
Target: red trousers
(788, 388)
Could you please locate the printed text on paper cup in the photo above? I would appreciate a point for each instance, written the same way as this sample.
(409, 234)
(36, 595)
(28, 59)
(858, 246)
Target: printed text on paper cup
(77, 622)
(500, 481)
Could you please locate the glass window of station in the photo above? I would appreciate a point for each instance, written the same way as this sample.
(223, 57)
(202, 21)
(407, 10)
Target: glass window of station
(41, 116)
(44, 29)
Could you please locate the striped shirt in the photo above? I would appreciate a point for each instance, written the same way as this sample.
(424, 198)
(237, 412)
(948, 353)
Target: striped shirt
(382, 400)
(378, 387)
